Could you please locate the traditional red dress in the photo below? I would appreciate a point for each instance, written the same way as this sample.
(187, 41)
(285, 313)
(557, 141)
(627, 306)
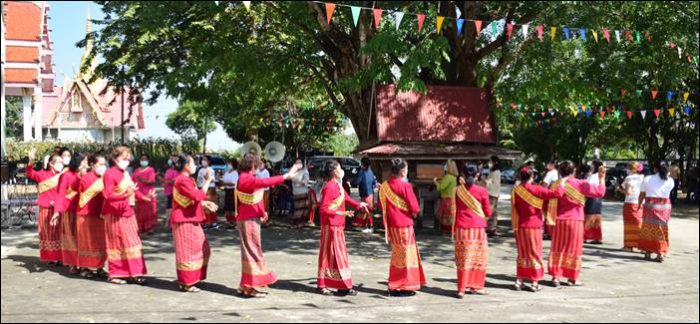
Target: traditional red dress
(333, 263)
(469, 232)
(567, 214)
(191, 246)
(398, 204)
(124, 249)
(527, 202)
(67, 205)
(49, 236)
(146, 215)
(250, 208)
(90, 223)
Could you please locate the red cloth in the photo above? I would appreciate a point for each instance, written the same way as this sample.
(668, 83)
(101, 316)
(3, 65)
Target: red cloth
(364, 219)
(529, 216)
(406, 270)
(254, 272)
(395, 216)
(47, 198)
(69, 235)
(632, 218)
(333, 263)
(91, 242)
(529, 261)
(568, 209)
(466, 218)
(592, 227)
(191, 253)
(49, 236)
(445, 211)
(566, 250)
(146, 211)
(653, 237)
(124, 249)
(94, 206)
(186, 187)
(331, 191)
(471, 258)
(115, 204)
(68, 189)
(248, 183)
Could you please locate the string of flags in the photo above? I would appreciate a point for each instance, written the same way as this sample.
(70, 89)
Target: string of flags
(496, 27)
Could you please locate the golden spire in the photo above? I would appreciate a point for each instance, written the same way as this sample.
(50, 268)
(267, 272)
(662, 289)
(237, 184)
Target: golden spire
(86, 54)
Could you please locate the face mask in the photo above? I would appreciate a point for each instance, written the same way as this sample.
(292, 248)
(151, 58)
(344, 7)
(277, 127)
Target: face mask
(58, 166)
(123, 164)
(229, 168)
(342, 173)
(170, 163)
(66, 160)
(444, 167)
(144, 163)
(100, 170)
(192, 167)
(205, 164)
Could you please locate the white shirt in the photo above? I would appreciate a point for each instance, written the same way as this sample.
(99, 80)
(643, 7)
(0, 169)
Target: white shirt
(654, 187)
(634, 183)
(201, 175)
(593, 179)
(262, 174)
(300, 182)
(230, 177)
(551, 176)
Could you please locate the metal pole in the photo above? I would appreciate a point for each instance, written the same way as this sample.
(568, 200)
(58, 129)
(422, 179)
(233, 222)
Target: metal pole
(121, 90)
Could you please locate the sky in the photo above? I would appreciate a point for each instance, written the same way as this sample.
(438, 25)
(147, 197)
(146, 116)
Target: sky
(67, 26)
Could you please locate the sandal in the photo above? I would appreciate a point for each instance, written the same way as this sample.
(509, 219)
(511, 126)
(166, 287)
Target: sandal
(647, 256)
(189, 289)
(518, 286)
(574, 283)
(139, 281)
(533, 288)
(460, 295)
(480, 292)
(73, 270)
(87, 274)
(102, 273)
(347, 292)
(252, 293)
(556, 283)
(117, 281)
(660, 258)
(325, 291)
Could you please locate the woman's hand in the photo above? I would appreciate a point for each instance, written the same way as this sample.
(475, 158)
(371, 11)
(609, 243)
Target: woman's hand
(31, 155)
(54, 219)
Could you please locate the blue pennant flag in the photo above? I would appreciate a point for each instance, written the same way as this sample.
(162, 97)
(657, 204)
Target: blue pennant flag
(460, 24)
(670, 95)
(687, 110)
(566, 32)
(583, 34)
(588, 113)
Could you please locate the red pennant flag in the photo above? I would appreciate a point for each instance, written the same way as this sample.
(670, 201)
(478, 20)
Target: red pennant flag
(542, 113)
(649, 37)
(628, 34)
(421, 18)
(330, 7)
(629, 115)
(623, 92)
(377, 17)
(477, 24)
(657, 112)
(606, 35)
(602, 114)
(654, 93)
(672, 45)
(540, 31)
(513, 105)
(509, 32)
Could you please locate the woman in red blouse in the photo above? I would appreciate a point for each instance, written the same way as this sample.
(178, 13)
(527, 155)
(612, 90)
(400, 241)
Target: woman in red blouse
(90, 223)
(191, 246)
(469, 233)
(527, 202)
(333, 263)
(67, 205)
(49, 232)
(399, 207)
(124, 249)
(250, 211)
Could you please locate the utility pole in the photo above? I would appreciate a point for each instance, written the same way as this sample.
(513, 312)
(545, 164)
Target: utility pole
(121, 90)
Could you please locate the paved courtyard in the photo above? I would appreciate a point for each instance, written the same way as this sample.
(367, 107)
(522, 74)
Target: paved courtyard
(618, 286)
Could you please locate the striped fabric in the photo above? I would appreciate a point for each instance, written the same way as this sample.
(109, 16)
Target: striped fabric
(92, 252)
(567, 248)
(592, 227)
(333, 263)
(254, 272)
(529, 261)
(49, 237)
(653, 236)
(471, 258)
(124, 250)
(69, 233)
(191, 253)
(406, 270)
(632, 218)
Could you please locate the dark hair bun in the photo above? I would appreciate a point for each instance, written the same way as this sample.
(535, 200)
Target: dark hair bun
(397, 164)
(328, 168)
(181, 161)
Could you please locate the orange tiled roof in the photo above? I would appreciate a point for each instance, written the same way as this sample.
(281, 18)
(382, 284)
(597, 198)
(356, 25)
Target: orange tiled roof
(22, 54)
(20, 75)
(22, 21)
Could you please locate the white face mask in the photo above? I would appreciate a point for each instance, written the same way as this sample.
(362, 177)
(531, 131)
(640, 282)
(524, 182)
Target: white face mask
(100, 170)
(192, 167)
(205, 164)
(58, 166)
(144, 163)
(342, 173)
(66, 160)
(123, 164)
(170, 162)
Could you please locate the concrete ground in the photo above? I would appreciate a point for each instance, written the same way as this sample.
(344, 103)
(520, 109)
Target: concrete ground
(618, 286)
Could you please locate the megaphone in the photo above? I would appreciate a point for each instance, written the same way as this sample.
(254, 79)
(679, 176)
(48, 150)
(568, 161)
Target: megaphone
(274, 151)
(251, 147)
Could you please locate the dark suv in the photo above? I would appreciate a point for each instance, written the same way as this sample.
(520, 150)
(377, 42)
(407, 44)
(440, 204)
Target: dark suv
(349, 165)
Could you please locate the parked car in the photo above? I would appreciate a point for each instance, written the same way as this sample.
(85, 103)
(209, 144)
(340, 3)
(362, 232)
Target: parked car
(217, 163)
(508, 176)
(348, 164)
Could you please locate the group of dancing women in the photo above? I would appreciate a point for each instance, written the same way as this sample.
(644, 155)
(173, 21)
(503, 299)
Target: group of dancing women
(87, 218)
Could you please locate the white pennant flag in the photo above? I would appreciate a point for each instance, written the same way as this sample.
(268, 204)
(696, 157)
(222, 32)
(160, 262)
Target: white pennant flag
(679, 51)
(397, 19)
(644, 113)
(458, 13)
(617, 35)
(525, 27)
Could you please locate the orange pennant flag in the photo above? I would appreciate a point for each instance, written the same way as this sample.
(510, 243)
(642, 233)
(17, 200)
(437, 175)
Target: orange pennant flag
(377, 17)
(330, 7)
(440, 19)
(477, 24)
(654, 93)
